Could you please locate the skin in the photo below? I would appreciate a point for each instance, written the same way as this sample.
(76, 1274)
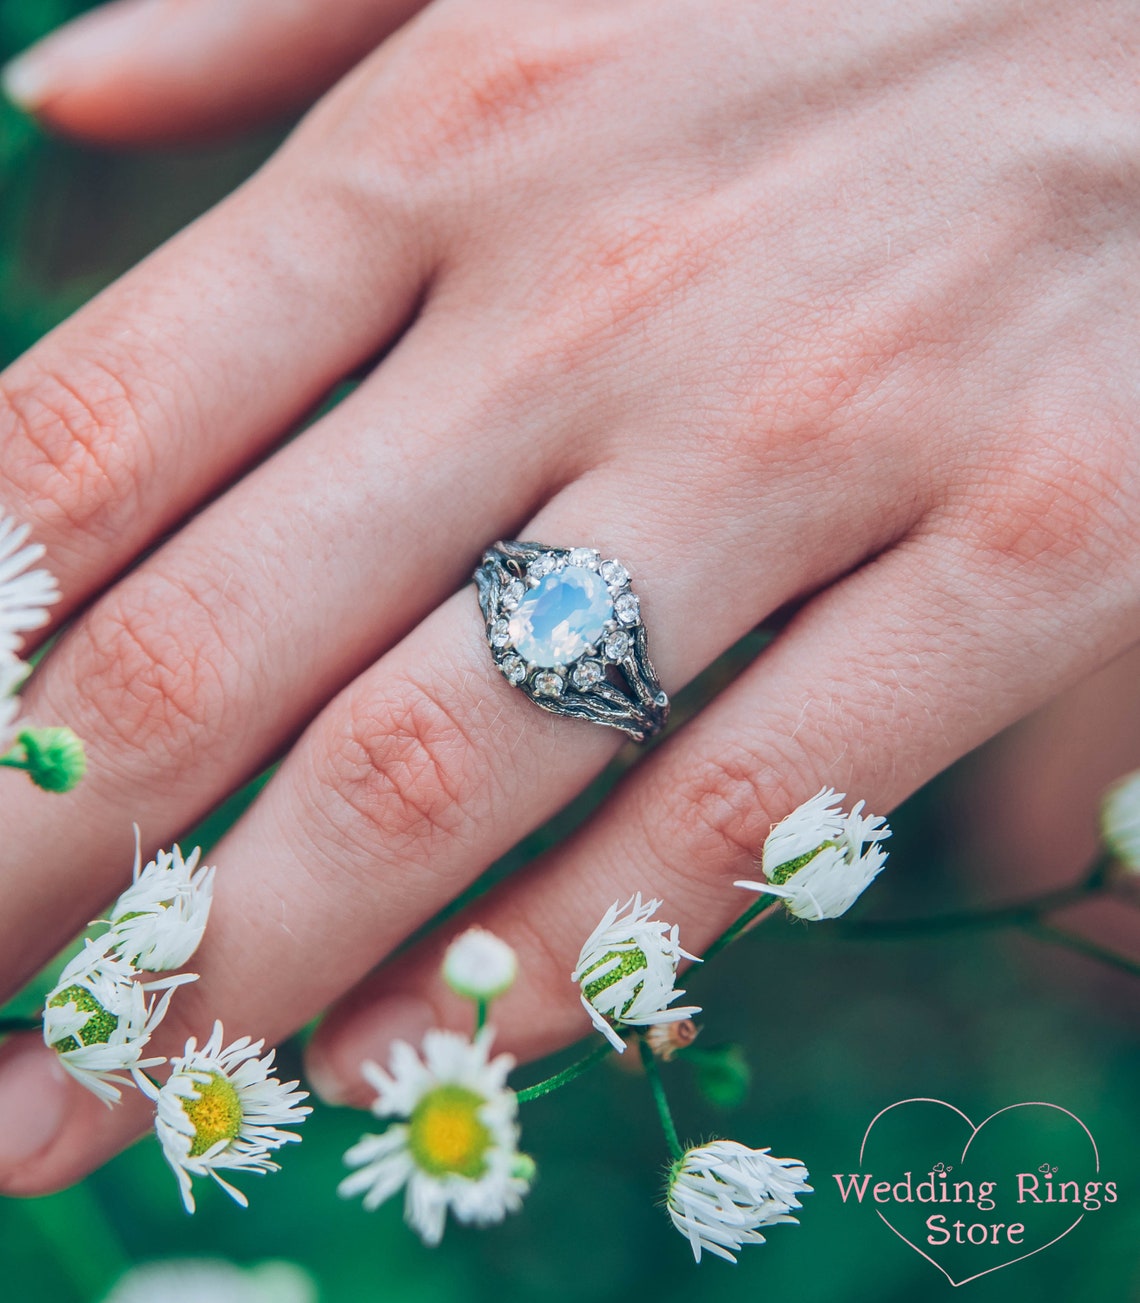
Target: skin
(778, 304)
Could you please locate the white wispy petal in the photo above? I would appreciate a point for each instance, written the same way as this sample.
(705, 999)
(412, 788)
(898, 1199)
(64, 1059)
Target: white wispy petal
(639, 997)
(267, 1104)
(721, 1195)
(13, 672)
(158, 922)
(386, 1164)
(25, 594)
(845, 856)
(104, 1068)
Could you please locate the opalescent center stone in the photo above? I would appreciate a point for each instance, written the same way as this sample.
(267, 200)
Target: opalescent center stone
(561, 617)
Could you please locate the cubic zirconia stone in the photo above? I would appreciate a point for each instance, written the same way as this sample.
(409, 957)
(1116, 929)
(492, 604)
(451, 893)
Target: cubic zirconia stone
(627, 607)
(615, 574)
(512, 595)
(562, 617)
(542, 564)
(514, 667)
(548, 684)
(500, 633)
(616, 645)
(586, 557)
(586, 674)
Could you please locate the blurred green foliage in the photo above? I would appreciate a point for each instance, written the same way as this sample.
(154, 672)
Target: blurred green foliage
(833, 1029)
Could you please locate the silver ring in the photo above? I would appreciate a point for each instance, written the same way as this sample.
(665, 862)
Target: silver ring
(564, 626)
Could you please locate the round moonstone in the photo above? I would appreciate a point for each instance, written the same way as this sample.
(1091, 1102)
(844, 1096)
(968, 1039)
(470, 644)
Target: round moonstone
(563, 615)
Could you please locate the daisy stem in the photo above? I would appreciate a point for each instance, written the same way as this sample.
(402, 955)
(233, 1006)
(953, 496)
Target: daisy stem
(567, 1075)
(1083, 945)
(1022, 912)
(657, 1086)
(481, 1007)
(17, 1024)
(761, 907)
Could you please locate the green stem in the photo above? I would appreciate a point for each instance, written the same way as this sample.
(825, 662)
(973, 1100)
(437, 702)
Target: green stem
(658, 1088)
(560, 1079)
(1019, 912)
(17, 1024)
(761, 907)
(481, 1007)
(1082, 945)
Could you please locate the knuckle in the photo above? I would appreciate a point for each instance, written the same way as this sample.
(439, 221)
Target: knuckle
(399, 771)
(461, 86)
(721, 807)
(1061, 503)
(75, 451)
(152, 666)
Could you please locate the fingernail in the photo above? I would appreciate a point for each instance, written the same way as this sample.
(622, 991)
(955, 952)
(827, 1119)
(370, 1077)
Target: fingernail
(332, 1063)
(26, 81)
(33, 1099)
(59, 60)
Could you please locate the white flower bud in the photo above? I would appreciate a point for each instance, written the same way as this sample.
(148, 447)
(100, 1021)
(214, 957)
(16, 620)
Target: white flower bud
(722, 1193)
(479, 965)
(821, 860)
(1120, 821)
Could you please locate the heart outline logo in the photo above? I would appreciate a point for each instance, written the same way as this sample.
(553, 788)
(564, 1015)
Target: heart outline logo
(973, 1135)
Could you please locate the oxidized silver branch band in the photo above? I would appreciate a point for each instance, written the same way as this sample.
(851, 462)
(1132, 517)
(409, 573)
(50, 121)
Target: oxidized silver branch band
(565, 627)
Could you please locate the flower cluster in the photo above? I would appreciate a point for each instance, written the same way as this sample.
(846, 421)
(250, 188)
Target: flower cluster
(219, 1109)
(101, 1014)
(52, 757)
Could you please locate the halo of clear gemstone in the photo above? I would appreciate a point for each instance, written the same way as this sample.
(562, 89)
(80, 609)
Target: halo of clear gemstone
(616, 646)
(587, 674)
(514, 667)
(615, 574)
(627, 608)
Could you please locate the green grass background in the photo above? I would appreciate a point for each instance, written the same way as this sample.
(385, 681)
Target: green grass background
(834, 1029)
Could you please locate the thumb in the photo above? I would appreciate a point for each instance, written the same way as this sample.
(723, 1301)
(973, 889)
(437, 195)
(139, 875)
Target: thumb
(146, 71)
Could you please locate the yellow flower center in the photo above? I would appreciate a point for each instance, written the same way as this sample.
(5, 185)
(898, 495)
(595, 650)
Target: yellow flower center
(445, 1133)
(215, 1115)
(96, 1030)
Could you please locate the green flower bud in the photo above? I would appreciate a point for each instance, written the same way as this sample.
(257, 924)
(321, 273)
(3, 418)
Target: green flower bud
(53, 757)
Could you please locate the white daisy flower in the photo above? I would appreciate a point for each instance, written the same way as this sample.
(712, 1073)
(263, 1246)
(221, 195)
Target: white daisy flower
(213, 1280)
(821, 860)
(12, 675)
(479, 965)
(722, 1193)
(627, 970)
(24, 594)
(1120, 821)
(99, 1020)
(157, 923)
(220, 1110)
(457, 1145)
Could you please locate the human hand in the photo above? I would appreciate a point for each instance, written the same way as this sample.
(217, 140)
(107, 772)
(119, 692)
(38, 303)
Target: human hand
(776, 306)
